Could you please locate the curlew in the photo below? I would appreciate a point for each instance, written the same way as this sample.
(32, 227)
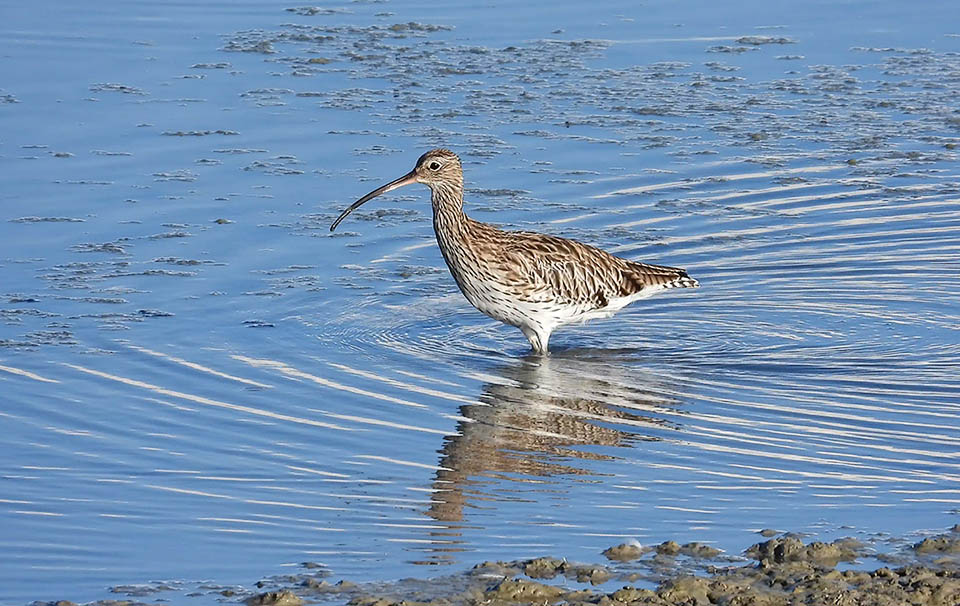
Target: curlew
(532, 281)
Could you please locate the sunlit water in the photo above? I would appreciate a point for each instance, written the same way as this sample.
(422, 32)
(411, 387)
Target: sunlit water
(200, 382)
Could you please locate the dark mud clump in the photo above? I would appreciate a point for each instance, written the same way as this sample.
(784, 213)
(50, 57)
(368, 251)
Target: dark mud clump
(548, 568)
(691, 550)
(274, 598)
(939, 545)
(791, 549)
(625, 552)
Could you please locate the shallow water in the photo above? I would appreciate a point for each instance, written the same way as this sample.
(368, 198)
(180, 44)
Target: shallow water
(201, 383)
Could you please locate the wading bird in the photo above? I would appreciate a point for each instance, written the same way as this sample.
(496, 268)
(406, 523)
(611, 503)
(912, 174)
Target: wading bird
(532, 281)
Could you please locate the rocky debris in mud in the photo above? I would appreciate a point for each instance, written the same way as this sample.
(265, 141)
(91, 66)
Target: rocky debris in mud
(413, 26)
(198, 133)
(319, 586)
(220, 65)
(179, 261)
(183, 175)
(258, 324)
(724, 48)
(668, 548)
(543, 568)
(520, 590)
(108, 247)
(311, 11)
(496, 569)
(408, 271)
(758, 40)
(239, 150)
(699, 551)
(625, 552)
(10, 315)
(793, 583)
(278, 165)
(150, 272)
(141, 591)
(154, 313)
(116, 88)
(51, 337)
(938, 545)
(47, 220)
(791, 549)
(548, 568)
(274, 598)
(789, 572)
(129, 590)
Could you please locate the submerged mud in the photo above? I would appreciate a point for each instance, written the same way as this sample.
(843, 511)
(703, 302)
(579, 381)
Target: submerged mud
(780, 571)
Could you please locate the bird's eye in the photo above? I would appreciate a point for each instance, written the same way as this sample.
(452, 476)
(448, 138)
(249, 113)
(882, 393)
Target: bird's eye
(434, 165)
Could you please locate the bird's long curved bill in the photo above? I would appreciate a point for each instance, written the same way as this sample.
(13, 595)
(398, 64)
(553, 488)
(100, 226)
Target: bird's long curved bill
(407, 179)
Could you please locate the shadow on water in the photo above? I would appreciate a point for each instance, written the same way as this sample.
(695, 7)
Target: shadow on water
(542, 417)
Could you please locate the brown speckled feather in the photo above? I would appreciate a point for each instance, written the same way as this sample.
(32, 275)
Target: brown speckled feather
(532, 281)
(575, 273)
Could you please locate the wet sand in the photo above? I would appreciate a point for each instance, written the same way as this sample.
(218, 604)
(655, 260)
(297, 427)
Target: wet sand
(783, 570)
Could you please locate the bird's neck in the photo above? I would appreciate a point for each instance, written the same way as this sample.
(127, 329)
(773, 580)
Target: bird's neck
(448, 215)
(454, 231)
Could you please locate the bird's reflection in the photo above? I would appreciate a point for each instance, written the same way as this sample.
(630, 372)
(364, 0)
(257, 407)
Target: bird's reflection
(540, 417)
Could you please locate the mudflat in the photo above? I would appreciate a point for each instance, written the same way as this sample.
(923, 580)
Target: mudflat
(783, 570)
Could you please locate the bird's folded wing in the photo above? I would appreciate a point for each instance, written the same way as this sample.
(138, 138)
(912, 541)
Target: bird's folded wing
(571, 273)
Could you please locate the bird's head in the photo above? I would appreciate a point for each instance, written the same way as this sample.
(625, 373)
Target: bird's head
(438, 169)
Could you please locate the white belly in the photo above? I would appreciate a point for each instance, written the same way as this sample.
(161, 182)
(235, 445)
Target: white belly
(543, 314)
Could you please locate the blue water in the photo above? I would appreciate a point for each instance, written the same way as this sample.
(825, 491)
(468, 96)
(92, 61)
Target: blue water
(198, 382)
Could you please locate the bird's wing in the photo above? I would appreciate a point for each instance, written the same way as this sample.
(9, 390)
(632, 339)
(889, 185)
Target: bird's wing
(572, 273)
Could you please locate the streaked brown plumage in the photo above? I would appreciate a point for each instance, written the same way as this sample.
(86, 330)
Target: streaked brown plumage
(532, 281)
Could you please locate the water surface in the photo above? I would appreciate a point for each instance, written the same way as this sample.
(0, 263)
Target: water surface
(201, 383)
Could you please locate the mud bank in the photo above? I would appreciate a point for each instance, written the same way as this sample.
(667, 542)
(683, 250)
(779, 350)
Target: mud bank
(785, 571)
(780, 571)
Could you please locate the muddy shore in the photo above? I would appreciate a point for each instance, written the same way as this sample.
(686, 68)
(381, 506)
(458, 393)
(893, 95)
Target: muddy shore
(783, 570)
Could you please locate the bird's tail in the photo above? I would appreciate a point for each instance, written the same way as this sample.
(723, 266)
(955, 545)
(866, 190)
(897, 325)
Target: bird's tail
(683, 281)
(663, 276)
